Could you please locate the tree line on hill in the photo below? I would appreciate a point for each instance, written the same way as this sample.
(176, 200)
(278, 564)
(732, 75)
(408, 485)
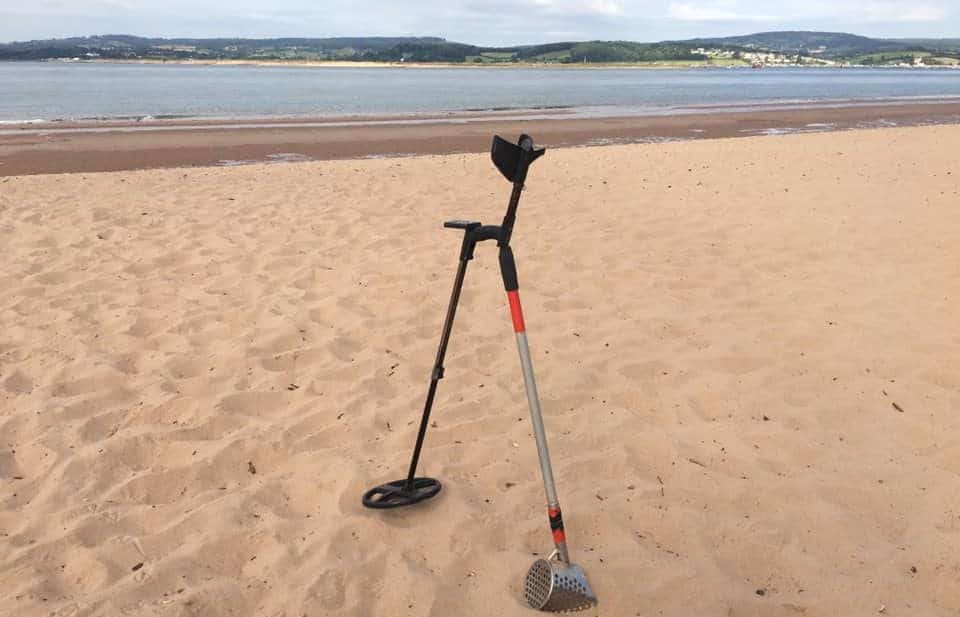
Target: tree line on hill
(434, 49)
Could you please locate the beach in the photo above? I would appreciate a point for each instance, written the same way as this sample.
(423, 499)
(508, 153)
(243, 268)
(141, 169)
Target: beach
(746, 350)
(115, 145)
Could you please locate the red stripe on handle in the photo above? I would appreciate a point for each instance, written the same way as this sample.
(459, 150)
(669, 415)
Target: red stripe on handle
(515, 311)
(556, 525)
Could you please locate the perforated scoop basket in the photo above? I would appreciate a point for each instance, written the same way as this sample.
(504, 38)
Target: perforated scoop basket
(552, 585)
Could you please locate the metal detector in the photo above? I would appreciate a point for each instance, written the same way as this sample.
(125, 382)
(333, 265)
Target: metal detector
(553, 583)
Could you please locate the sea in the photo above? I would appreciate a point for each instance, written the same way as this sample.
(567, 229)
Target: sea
(59, 91)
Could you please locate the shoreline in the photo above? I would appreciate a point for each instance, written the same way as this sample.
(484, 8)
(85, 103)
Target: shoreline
(366, 64)
(572, 112)
(166, 122)
(119, 146)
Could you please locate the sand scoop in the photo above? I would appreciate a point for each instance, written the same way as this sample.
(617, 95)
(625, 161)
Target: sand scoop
(552, 584)
(556, 585)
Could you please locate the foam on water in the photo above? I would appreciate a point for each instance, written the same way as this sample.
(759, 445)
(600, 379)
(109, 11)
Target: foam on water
(272, 159)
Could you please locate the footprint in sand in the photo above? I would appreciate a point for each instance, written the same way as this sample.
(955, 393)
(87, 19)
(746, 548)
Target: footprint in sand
(254, 403)
(329, 590)
(145, 327)
(187, 367)
(18, 383)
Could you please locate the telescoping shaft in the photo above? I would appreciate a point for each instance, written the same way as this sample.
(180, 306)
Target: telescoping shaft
(509, 270)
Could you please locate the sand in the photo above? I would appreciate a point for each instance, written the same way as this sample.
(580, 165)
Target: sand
(746, 351)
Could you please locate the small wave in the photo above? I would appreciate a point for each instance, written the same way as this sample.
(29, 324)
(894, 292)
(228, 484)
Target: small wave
(272, 159)
(389, 155)
(619, 141)
(880, 124)
(519, 108)
(775, 131)
(288, 157)
(13, 122)
(134, 118)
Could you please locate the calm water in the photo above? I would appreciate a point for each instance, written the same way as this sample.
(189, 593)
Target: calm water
(30, 91)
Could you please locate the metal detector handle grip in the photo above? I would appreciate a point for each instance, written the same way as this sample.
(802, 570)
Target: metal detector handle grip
(520, 176)
(506, 227)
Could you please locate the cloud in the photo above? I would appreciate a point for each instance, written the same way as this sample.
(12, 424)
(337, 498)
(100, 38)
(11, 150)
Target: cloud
(886, 10)
(720, 10)
(487, 22)
(9, 8)
(67, 6)
(850, 11)
(605, 7)
(921, 13)
(575, 7)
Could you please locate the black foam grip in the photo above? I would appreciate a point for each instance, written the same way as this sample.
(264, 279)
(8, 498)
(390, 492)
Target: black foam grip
(508, 269)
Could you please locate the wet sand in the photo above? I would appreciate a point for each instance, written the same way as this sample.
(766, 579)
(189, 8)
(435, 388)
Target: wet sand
(113, 146)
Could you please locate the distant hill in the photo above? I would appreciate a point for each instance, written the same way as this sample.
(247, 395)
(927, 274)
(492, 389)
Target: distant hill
(790, 47)
(382, 49)
(564, 53)
(610, 51)
(944, 45)
(126, 46)
(836, 44)
(829, 44)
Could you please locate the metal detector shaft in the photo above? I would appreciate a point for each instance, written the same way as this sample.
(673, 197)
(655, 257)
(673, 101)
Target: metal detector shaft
(513, 161)
(518, 175)
(437, 374)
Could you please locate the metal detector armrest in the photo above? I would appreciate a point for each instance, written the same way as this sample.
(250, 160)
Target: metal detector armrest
(473, 232)
(460, 224)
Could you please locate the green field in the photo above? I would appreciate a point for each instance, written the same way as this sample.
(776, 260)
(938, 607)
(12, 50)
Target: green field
(888, 57)
(941, 61)
(491, 57)
(552, 56)
(726, 62)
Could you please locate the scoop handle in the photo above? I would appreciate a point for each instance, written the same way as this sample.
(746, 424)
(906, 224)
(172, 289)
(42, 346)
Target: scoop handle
(508, 270)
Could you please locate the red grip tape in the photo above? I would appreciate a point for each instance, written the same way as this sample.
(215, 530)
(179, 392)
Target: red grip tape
(516, 312)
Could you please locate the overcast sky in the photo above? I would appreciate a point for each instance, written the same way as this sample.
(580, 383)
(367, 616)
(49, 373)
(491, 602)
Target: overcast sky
(485, 22)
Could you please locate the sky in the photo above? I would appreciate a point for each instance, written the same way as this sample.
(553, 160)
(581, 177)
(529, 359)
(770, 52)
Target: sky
(481, 22)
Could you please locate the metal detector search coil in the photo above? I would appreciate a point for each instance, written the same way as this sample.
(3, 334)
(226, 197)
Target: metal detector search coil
(553, 584)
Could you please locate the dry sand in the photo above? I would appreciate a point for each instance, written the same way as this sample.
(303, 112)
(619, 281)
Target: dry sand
(721, 330)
